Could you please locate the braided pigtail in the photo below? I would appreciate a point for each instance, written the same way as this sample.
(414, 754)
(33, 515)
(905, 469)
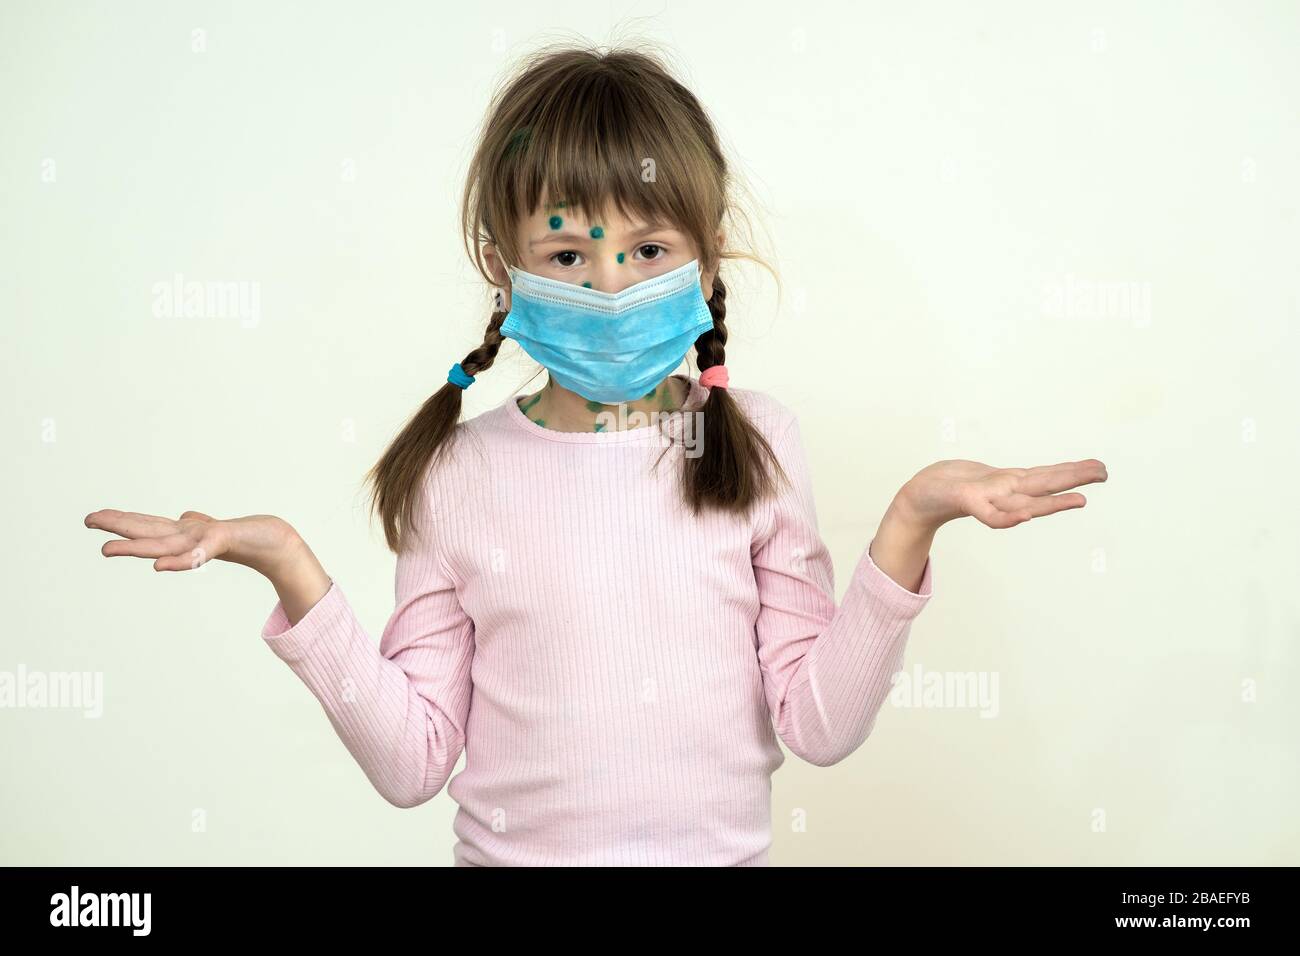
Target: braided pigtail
(396, 477)
(734, 470)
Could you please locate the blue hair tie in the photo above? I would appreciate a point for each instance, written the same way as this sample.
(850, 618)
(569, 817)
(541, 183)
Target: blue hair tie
(459, 377)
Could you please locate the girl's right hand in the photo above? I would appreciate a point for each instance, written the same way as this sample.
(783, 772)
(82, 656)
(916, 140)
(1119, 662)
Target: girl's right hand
(265, 543)
(261, 542)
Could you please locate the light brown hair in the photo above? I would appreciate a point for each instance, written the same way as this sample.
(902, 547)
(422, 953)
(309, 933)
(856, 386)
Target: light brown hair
(577, 122)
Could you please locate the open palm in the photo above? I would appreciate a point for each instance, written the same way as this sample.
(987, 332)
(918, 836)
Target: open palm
(998, 497)
(193, 539)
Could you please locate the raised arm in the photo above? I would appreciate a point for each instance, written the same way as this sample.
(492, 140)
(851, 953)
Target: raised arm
(826, 669)
(399, 706)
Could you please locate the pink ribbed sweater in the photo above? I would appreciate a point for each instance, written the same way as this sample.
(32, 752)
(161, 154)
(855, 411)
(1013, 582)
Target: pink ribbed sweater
(616, 671)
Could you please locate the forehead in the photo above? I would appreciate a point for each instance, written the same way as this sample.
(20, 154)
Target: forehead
(561, 215)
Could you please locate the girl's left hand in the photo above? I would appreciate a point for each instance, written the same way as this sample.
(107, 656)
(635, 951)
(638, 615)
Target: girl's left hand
(998, 497)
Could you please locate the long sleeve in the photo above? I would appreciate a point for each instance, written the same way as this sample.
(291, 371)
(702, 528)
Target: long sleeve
(826, 670)
(400, 707)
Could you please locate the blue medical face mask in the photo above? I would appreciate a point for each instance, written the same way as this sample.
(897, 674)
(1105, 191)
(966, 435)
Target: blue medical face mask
(609, 347)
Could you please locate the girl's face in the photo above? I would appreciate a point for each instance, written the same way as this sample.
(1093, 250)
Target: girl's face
(559, 242)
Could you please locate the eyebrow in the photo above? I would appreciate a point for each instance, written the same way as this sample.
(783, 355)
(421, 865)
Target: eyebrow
(559, 237)
(572, 237)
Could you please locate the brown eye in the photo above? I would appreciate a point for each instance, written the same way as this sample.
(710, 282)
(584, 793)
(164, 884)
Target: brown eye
(656, 248)
(565, 263)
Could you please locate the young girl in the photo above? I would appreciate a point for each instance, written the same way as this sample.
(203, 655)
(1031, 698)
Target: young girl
(611, 594)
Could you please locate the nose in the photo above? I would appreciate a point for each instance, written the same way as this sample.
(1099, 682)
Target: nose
(610, 276)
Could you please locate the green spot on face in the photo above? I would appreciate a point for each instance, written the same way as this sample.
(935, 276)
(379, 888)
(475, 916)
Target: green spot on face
(556, 222)
(518, 140)
(597, 232)
(620, 257)
(586, 285)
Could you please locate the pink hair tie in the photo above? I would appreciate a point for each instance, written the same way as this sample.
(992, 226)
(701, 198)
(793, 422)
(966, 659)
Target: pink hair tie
(715, 376)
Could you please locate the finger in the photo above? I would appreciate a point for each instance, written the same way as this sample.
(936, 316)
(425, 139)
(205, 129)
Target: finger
(1051, 504)
(147, 547)
(188, 561)
(197, 514)
(201, 554)
(985, 512)
(1049, 479)
(129, 524)
(1038, 507)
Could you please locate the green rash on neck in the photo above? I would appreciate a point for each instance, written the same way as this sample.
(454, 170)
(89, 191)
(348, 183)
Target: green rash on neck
(664, 393)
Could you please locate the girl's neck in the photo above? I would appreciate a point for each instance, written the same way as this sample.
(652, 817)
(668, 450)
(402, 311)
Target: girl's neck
(555, 407)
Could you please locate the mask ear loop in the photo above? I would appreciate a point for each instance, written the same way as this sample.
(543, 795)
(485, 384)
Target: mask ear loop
(498, 295)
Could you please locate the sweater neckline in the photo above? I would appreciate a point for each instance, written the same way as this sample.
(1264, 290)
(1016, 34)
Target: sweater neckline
(696, 395)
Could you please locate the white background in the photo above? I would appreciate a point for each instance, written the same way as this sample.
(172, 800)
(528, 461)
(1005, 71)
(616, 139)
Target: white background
(931, 177)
